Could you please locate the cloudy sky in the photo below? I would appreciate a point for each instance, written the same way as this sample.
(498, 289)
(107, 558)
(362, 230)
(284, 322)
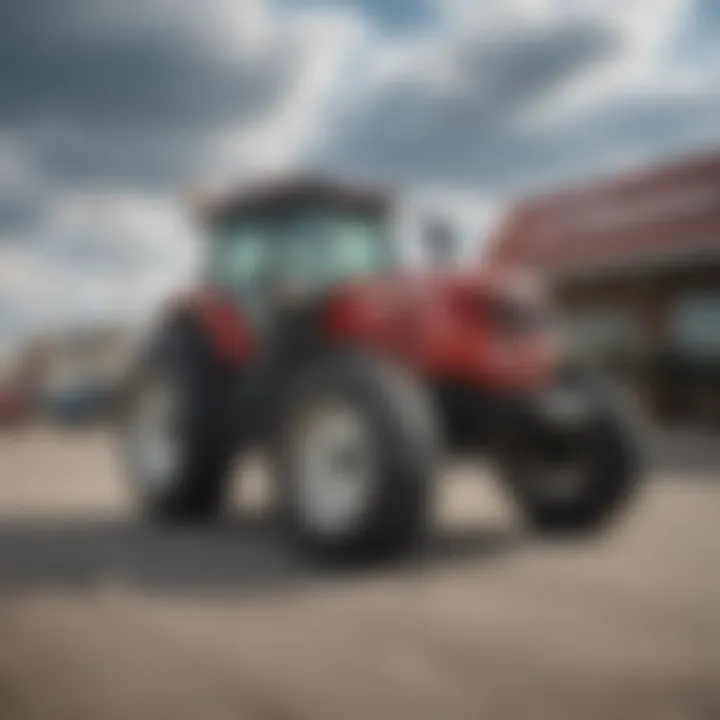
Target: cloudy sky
(111, 109)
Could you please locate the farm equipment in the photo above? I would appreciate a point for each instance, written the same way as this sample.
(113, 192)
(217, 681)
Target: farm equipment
(311, 339)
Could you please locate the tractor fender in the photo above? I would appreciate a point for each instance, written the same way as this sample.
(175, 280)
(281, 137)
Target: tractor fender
(382, 316)
(217, 316)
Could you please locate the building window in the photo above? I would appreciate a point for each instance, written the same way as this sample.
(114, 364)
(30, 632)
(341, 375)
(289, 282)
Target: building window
(607, 334)
(695, 327)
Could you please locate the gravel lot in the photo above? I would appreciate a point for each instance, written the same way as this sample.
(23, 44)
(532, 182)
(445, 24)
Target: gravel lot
(102, 617)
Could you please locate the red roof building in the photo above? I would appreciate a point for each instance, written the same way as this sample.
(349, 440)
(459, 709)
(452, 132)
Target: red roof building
(665, 215)
(635, 260)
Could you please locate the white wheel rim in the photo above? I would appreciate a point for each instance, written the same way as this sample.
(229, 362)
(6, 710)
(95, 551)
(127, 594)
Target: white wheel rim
(334, 468)
(154, 448)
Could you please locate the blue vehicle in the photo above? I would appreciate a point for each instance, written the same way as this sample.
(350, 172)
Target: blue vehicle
(78, 404)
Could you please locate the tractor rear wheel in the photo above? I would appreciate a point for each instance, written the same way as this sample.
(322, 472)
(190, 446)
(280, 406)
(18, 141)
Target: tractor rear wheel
(356, 454)
(574, 479)
(177, 427)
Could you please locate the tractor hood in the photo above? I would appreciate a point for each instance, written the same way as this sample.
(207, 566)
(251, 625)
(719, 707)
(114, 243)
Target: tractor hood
(480, 326)
(423, 291)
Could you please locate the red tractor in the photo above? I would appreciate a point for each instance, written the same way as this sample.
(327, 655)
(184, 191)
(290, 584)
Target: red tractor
(312, 340)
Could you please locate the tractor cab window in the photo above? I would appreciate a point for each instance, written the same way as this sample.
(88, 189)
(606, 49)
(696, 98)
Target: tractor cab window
(240, 256)
(240, 261)
(319, 248)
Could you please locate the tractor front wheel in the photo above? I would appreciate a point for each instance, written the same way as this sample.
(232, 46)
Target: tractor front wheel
(356, 454)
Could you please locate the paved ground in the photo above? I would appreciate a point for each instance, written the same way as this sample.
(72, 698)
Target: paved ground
(103, 618)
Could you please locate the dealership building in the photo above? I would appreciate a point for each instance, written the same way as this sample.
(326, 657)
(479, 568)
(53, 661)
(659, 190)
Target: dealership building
(635, 261)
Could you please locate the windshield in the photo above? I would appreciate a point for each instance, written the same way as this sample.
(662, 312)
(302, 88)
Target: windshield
(321, 248)
(314, 247)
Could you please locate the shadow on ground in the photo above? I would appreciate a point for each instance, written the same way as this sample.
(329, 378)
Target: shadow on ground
(686, 453)
(242, 554)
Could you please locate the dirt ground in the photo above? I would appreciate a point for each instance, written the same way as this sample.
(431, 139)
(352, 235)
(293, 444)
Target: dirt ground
(103, 617)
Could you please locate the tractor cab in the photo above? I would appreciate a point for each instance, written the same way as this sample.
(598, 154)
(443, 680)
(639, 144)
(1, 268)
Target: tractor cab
(283, 246)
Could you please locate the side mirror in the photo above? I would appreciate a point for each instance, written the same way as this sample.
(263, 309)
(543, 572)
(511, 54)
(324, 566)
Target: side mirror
(441, 243)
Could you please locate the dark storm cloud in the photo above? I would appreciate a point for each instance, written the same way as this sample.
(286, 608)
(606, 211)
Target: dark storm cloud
(654, 125)
(151, 158)
(125, 82)
(121, 106)
(410, 129)
(482, 131)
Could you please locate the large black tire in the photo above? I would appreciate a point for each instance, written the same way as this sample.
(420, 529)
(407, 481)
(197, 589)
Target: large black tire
(181, 356)
(401, 428)
(611, 461)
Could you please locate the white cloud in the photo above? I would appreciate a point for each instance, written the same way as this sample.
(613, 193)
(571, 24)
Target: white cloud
(101, 256)
(321, 44)
(133, 247)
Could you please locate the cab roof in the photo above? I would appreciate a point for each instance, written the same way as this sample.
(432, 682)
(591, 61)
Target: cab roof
(287, 194)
